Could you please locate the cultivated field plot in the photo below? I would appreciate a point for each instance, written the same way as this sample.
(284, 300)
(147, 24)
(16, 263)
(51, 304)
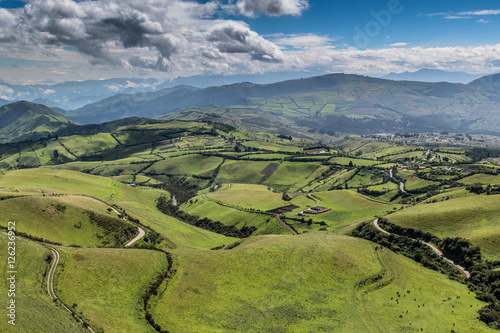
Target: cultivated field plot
(347, 207)
(248, 197)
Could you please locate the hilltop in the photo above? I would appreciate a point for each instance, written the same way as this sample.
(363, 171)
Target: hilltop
(25, 121)
(329, 103)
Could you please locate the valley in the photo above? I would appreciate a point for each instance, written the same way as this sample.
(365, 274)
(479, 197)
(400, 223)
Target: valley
(241, 239)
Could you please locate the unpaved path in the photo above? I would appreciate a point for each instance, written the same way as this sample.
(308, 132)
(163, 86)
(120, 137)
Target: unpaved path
(139, 236)
(435, 249)
(315, 199)
(50, 287)
(284, 224)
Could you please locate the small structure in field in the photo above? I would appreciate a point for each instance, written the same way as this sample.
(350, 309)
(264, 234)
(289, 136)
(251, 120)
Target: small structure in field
(316, 210)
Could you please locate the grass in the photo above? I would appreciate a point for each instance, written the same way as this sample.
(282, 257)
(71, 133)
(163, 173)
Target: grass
(474, 218)
(58, 220)
(186, 165)
(248, 197)
(306, 283)
(346, 207)
(481, 179)
(106, 285)
(230, 216)
(293, 174)
(355, 161)
(35, 310)
(241, 172)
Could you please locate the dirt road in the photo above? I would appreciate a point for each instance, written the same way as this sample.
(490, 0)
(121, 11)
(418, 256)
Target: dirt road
(139, 236)
(435, 249)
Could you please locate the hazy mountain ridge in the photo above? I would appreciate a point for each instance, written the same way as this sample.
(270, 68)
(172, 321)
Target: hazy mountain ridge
(433, 75)
(377, 104)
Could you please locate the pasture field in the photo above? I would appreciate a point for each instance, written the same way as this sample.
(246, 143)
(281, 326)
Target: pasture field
(481, 178)
(186, 165)
(106, 285)
(35, 310)
(271, 146)
(61, 220)
(473, 217)
(249, 172)
(347, 207)
(308, 283)
(355, 161)
(201, 207)
(248, 196)
(294, 174)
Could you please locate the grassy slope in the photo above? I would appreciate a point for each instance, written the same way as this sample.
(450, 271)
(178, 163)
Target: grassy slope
(474, 218)
(307, 283)
(35, 311)
(230, 216)
(141, 203)
(39, 216)
(249, 196)
(347, 207)
(106, 285)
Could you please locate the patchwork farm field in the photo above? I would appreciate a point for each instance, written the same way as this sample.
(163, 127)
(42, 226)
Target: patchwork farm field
(213, 253)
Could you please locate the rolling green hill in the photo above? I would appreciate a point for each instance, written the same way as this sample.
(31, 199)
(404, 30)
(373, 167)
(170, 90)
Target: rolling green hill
(26, 121)
(311, 283)
(35, 310)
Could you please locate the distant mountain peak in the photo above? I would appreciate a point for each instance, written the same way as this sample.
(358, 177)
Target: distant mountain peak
(433, 75)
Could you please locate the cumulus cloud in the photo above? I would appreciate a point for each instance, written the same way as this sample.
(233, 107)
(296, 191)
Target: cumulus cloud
(144, 34)
(252, 8)
(236, 37)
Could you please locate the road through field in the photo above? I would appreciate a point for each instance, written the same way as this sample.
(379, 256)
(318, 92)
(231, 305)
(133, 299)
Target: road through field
(50, 287)
(435, 249)
(139, 236)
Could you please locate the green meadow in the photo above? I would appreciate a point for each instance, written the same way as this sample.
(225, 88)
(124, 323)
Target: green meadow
(35, 310)
(105, 285)
(473, 217)
(309, 283)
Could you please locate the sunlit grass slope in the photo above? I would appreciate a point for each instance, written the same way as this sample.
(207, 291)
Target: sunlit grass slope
(474, 218)
(59, 220)
(106, 285)
(347, 207)
(35, 310)
(316, 282)
(141, 203)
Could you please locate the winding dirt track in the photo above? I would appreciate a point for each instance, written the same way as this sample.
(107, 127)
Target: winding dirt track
(139, 236)
(50, 287)
(435, 249)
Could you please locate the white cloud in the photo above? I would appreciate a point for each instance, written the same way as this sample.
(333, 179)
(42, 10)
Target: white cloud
(48, 92)
(398, 44)
(252, 8)
(484, 12)
(465, 14)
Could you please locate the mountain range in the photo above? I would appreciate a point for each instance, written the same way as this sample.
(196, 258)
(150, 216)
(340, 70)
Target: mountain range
(433, 75)
(330, 103)
(333, 102)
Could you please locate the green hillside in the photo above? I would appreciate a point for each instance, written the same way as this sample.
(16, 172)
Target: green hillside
(311, 283)
(23, 120)
(474, 218)
(105, 285)
(35, 310)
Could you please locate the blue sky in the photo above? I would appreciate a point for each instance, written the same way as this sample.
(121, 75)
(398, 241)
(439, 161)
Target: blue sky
(164, 39)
